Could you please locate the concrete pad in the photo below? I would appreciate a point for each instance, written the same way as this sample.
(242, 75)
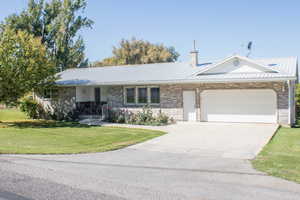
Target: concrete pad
(227, 140)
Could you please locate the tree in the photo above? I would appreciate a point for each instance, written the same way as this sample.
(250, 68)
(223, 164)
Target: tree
(139, 52)
(57, 23)
(24, 65)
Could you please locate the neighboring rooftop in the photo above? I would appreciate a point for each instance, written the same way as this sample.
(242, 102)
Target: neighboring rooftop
(284, 68)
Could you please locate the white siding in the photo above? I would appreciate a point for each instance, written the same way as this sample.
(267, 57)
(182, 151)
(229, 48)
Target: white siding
(229, 67)
(104, 93)
(87, 93)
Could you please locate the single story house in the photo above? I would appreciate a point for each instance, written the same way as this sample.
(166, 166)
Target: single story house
(235, 89)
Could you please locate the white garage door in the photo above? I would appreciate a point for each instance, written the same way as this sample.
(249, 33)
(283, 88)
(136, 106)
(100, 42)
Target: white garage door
(239, 106)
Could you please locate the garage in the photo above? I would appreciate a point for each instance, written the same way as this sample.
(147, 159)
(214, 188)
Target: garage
(244, 105)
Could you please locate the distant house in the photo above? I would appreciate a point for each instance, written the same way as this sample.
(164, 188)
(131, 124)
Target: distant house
(236, 89)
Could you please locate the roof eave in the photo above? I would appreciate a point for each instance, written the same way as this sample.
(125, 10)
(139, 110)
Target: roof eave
(185, 81)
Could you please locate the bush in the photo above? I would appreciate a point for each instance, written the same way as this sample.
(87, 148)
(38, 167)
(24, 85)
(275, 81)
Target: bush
(62, 116)
(162, 118)
(144, 117)
(73, 115)
(111, 116)
(32, 108)
(36, 110)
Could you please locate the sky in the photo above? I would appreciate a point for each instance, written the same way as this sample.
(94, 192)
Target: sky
(220, 28)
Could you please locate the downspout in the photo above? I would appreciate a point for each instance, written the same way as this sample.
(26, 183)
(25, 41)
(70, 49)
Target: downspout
(290, 99)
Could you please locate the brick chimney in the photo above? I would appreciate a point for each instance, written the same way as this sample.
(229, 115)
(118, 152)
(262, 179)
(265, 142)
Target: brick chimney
(194, 56)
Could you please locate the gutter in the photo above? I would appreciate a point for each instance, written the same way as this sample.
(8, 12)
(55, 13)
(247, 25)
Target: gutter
(291, 100)
(182, 81)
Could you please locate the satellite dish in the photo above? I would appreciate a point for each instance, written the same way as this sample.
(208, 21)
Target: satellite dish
(249, 48)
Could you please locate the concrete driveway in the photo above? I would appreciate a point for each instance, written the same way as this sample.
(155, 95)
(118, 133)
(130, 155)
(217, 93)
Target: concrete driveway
(170, 167)
(228, 140)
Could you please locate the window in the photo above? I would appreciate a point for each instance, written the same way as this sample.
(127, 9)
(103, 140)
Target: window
(142, 95)
(47, 94)
(54, 93)
(50, 93)
(154, 95)
(130, 95)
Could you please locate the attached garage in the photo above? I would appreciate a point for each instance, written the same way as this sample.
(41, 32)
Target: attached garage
(244, 105)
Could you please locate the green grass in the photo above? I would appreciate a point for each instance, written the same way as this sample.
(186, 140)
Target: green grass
(11, 115)
(51, 137)
(281, 157)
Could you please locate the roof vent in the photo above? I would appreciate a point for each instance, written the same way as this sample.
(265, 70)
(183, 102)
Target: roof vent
(236, 62)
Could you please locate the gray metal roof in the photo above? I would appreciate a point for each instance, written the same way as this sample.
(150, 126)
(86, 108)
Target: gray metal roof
(173, 73)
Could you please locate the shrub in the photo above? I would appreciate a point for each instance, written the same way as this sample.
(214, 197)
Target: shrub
(144, 117)
(115, 116)
(111, 116)
(36, 110)
(60, 114)
(121, 119)
(32, 108)
(63, 116)
(162, 118)
(73, 115)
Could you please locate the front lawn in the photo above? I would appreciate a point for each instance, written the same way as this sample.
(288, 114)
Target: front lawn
(281, 157)
(50, 137)
(11, 115)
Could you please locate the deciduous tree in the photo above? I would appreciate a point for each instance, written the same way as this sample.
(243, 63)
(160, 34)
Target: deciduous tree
(139, 52)
(57, 23)
(25, 65)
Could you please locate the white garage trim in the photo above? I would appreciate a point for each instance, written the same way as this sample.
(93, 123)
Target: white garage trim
(239, 105)
(189, 105)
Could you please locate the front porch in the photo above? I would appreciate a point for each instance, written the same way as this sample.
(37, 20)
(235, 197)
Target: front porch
(90, 108)
(91, 100)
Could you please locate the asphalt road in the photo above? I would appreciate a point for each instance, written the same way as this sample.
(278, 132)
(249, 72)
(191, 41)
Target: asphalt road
(15, 186)
(136, 174)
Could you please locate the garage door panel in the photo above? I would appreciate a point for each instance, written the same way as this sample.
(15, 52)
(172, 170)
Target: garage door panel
(239, 106)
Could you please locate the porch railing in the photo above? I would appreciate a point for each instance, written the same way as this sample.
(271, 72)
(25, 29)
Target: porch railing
(90, 108)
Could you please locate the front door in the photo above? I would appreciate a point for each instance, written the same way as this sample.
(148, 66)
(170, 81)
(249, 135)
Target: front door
(97, 95)
(189, 106)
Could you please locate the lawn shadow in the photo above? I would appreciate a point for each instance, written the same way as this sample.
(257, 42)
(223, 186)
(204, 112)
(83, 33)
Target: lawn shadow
(42, 124)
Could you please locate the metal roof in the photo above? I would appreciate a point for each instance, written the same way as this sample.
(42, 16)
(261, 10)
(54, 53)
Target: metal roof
(177, 72)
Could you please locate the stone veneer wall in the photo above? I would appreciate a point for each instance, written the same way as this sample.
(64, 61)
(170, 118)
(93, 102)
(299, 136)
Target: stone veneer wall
(65, 102)
(172, 101)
